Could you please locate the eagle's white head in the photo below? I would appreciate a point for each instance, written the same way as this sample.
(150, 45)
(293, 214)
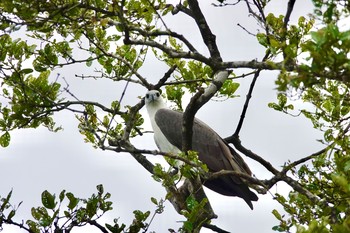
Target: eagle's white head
(154, 102)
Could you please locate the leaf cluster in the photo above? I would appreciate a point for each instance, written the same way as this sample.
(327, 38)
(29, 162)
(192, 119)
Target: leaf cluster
(67, 212)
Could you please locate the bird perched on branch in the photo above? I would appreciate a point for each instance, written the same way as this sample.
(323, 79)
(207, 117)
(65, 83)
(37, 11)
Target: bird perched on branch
(212, 149)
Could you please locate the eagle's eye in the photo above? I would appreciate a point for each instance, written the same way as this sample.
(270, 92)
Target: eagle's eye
(157, 94)
(147, 96)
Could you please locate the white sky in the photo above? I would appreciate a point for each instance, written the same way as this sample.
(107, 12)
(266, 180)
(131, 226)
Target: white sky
(37, 159)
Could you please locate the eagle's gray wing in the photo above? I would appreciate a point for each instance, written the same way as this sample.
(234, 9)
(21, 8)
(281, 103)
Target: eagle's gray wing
(212, 150)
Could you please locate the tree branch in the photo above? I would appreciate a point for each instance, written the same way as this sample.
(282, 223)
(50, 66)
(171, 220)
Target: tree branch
(119, 58)
(196, 102)
(20, 225)
(246, 103)
(244, 177)
(140, 158)
(99, 226)
(168, 50)
(238, 145)
(288, 13)
(303, 160)
(214, 228)
(208, 37)
(165, 77)
(165, 33)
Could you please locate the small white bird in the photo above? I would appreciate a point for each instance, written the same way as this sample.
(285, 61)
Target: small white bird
(212, 149)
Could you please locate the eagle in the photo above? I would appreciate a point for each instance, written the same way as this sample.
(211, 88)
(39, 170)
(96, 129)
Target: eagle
(212, 149)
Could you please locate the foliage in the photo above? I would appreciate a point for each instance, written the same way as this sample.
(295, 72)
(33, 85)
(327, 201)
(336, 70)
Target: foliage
(116, 38)
(66, 212)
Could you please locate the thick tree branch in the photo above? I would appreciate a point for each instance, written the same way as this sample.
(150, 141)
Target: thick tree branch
(196, 102)
(140, 158)
(187, 124)
(290, 8)
(208, 37)
(181, 8)
(214, 228)
(99, 226)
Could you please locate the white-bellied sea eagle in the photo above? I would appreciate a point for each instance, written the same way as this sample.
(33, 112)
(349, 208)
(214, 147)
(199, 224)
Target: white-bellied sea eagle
(212, 149)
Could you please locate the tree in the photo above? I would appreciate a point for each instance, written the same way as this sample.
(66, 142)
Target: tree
(117, 38)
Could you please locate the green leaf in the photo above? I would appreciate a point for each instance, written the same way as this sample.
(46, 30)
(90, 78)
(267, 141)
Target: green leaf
(140, 216)
(81, 214)
(154, 200)
(262, 39)
(27, 71)
(11, 214)
(48, 200)
(100, 189)
(5, 202)
(274, 106)
(89, 62)
(278, 228)
(36, 215)
(5, 139)
(67, 214)
(327, 105)
(62, 194)
(91, 207)
(73, 201)
(277, 214)
(33, 226)
(229, 88)
(317, 36)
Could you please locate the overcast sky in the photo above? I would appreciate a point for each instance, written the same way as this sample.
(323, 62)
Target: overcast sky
(37, 160)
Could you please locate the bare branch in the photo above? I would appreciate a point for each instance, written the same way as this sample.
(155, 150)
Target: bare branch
(303, 160)
(214, 228)
(208, 37)
(99, 226)
(181, 8)
(83, 103)
(289, 12)
(20, 225)
(246, 103)
(151, 152)
(140, 158)
(238, 145)
(196, 102)
(166, 76)
(165, 33)
(168, 50)
(114, 78)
